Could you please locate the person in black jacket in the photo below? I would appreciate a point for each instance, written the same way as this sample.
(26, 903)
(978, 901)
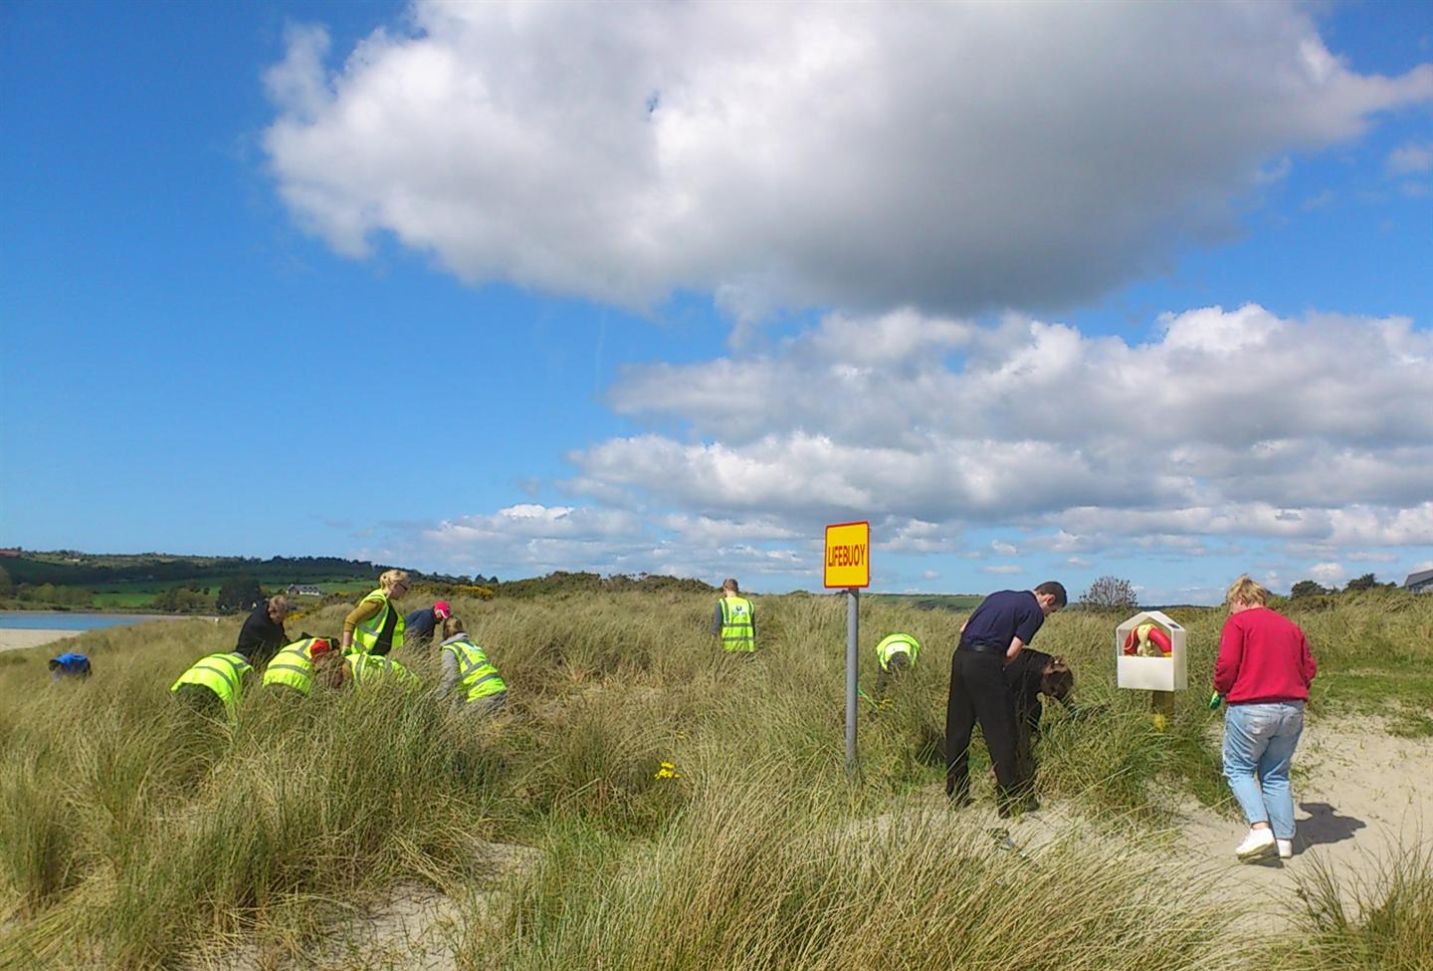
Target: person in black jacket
(1030, 675)
(263, 632)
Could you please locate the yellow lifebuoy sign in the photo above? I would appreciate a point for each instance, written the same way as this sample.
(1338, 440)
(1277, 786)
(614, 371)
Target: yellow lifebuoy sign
(848, 555)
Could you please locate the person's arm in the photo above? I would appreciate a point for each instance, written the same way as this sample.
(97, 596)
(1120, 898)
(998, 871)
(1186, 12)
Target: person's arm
(1016, 646)
(1231, 655)
(1308, 667)
(450, 674)
(716, 621)
(365, 610)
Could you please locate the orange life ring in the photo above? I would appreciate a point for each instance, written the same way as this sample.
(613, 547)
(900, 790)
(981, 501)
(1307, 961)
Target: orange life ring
(1152, 633)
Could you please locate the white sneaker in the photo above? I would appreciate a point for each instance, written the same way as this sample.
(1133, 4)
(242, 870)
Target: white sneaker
(1286, 848)
(1258, 843)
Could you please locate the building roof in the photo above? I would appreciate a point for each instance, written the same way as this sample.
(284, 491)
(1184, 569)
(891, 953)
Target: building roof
(1419, 577)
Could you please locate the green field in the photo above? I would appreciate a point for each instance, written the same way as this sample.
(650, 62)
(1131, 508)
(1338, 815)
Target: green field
(135, 836)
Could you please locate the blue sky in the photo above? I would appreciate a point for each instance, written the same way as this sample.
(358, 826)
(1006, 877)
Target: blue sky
(1042, 291)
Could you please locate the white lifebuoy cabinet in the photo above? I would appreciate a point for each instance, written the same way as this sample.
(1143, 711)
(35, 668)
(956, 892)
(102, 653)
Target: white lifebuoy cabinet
(1160, 672)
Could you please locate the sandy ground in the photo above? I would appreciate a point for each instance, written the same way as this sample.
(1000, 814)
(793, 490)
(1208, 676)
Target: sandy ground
(14, 640)
(1361, 797)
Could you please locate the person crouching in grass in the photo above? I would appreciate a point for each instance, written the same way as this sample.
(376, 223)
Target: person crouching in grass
(469, 678)
(213, 681)
(1032, 674)
(308, 660)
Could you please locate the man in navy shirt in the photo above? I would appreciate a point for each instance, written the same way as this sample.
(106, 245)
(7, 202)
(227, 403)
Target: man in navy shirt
(990, 638)
(418, 626)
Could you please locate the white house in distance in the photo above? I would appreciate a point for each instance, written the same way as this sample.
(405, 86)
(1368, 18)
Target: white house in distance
(1420, 582)
(304, 590)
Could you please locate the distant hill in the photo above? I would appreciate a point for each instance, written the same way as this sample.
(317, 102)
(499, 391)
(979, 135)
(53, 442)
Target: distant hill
(73, 580)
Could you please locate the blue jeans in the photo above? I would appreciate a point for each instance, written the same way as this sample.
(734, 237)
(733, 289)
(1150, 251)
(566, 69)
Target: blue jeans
(1261, 739)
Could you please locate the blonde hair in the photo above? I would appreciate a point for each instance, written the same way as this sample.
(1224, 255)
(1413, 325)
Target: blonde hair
(452, 627)
(389, 579)
(279, 602)
(1246, 592)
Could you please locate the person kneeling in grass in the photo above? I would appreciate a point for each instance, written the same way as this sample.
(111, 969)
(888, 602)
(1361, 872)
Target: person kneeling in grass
(69, 665)
(371, 669)
(469, 678)
(297, 666)
(214, 680)
(1032, 674)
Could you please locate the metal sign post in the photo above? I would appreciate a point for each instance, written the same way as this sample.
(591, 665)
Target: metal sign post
(848, 565)
(853, 597)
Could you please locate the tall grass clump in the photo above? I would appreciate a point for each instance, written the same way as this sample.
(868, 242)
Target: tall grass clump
(1381, 924)
(766, 874)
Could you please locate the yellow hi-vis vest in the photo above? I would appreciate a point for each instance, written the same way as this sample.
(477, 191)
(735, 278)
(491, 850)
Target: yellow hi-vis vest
(293, 666)
(738, 625)
(374, 668)
(366, 634)
(896, 644)
(222, 674)
(477, 678)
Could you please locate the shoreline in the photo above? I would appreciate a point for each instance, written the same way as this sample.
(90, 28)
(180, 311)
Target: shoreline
(17, 639)
(20, 638)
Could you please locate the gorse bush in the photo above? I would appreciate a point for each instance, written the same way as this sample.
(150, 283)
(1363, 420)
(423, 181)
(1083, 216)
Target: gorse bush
(135, 834)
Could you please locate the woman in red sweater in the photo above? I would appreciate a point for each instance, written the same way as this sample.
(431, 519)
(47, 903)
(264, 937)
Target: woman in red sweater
(1263, 672)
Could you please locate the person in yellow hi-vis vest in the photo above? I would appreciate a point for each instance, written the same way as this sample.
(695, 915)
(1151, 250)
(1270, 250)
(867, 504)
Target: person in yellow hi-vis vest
(213, 680)
(896, 654)
(298, 665)
(375, 626)
(735, 620)
(372, 669)
(469, 678)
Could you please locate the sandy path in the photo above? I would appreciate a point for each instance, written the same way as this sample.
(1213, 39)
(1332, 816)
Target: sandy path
(1361, 797)
(1364, 798)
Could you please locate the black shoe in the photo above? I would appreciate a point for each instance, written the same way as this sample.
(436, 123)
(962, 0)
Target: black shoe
(1019, 807)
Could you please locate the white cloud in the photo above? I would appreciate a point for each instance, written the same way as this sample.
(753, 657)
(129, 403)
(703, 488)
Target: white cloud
(1003, 569)
(862, 155)
(1228, 435)
(1327, 573)
(1411, 159)
(1233, 422)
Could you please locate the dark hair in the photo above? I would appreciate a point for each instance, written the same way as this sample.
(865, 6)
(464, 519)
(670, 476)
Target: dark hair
(1057, 588)
(1057, 680)
(730, 584)
(452, 627)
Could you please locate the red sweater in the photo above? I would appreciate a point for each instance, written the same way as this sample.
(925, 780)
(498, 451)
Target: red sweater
(1263, 656)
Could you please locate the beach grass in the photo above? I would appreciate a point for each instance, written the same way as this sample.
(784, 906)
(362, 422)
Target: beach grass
(686, 808)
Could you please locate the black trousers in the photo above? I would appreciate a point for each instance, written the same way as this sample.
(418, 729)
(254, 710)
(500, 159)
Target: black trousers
(978, 693)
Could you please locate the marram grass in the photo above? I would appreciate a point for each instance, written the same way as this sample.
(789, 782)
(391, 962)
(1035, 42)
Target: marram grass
(689, 809)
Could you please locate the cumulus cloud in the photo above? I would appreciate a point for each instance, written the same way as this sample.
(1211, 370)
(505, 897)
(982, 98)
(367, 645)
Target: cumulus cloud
(1229, 423)
(951, 157)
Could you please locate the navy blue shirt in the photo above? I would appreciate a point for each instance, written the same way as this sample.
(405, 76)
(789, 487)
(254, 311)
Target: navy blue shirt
(1002, 617)
(419, 624)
